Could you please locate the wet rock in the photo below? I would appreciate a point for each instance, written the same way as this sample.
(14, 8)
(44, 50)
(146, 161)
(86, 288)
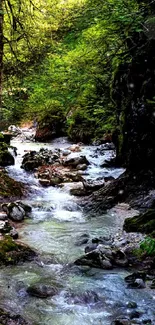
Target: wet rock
(27, 208)
(81, 240)
(102, 257)
(75, 148)
(153, 284)
(7, 318)
(91, 186)
(42, 291)
(120, 258)
(136, 275)
(73, 176)
(135, 314)
(3, 226)
(147, 322)
(44, 182)
(78, 191)
(81, 167)
(65, 152)
(6, 158)
(13, 233)
(131, 304)
(6, 228)
(14, 129)
(104, 240)
(84, 298)
(16, 211)
(12, 253)
(33, 159)
(136, 280)
(138, 284)
(104, 147)
(109, 178)
(90, 248)
(75, 161)
(3, 216)
(121, 321)
(55, 180)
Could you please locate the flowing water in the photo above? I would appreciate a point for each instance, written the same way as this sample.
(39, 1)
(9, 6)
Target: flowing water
(55, 225)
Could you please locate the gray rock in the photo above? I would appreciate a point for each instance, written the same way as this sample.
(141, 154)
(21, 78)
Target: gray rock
(16, 211)
(81, 167)
(137, 283)
(74, 162)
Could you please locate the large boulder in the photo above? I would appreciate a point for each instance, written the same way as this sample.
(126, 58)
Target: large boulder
(16, 211)
(33, 159)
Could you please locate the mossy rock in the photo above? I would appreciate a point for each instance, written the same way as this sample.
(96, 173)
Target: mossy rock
(10, 188)
(6, 158)
(144, 223)
(12, 253)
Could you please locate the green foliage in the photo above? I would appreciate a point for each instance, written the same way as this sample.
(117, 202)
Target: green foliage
(148, 246)
(7, 245)
(67, 69)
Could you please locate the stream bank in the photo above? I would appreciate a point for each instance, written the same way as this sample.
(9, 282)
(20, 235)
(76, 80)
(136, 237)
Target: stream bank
(56, 226)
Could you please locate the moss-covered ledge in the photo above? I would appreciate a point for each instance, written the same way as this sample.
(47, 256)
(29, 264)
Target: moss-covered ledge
(12, 252)
(9, 188)
(144, 223)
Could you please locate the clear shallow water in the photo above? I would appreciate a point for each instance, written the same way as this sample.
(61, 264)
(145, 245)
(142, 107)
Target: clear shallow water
(56, 222)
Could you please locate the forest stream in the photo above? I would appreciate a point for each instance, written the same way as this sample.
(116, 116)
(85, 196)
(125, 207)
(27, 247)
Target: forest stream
(86, 295)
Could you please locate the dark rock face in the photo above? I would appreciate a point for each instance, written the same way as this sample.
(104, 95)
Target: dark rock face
(43, 134)
(144, 223)
(134, 88)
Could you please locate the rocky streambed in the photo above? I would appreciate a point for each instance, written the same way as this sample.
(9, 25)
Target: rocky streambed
(84, 271)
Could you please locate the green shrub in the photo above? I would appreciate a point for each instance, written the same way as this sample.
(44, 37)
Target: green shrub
(148, 246)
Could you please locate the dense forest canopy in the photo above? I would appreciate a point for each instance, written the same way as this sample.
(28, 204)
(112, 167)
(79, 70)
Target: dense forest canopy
(64, 62)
